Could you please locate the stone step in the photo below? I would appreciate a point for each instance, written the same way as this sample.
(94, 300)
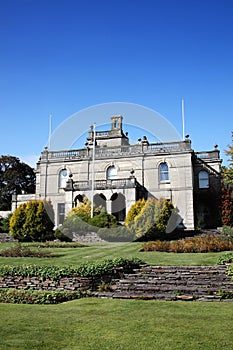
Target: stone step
(172, 283)
(160, 296)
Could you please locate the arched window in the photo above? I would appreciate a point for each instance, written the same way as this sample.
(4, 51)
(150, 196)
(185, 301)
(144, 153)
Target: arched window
(111, 173)
(63, 177)
(203, 179)
(163, 172)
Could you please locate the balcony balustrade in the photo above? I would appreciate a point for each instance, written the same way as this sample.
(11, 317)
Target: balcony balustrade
(103, 184)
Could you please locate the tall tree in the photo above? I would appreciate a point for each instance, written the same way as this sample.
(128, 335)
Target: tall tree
(15, 177)
(227, 189)
(227, 172)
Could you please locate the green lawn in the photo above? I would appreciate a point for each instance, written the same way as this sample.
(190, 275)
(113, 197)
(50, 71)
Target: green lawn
(99, 251)
(104, 324)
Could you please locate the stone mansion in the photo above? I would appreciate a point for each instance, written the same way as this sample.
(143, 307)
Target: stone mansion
(124, 173)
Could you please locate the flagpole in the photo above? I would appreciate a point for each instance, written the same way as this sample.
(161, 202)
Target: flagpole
(183, 118)
(93, 173)
(50, 130)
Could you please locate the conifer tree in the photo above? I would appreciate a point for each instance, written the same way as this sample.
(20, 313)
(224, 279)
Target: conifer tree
(135, 210)
(17, 223)
(33, 221)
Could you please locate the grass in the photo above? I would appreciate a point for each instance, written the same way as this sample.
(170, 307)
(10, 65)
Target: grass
(104, 324)
(100, 251)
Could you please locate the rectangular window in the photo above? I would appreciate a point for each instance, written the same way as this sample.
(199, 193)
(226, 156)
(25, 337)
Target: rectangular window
(61, 213)
(203, 178)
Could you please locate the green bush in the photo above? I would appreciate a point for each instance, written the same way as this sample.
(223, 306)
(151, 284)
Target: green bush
(33, 221)
(83, 210)
(56, 272)
(75, 224)
(103, 220)
(17, 222)
(116, 234)
(81, 223)
(19, 296)
(152, 220)
(134, 210)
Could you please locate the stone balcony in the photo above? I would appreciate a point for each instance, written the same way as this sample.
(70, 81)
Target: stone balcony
(130, 182)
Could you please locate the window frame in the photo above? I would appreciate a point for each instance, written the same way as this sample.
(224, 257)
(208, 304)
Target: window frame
(60, 213)
(111, 176)
(203, 181)
(164, 174)
(63, 179)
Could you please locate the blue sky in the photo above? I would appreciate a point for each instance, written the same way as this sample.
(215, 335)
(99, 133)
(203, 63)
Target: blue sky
(62, 56)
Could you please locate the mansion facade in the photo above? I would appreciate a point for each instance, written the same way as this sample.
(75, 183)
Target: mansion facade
(114, 173)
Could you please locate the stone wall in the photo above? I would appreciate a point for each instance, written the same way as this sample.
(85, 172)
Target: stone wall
(65, 283)
(148, 282)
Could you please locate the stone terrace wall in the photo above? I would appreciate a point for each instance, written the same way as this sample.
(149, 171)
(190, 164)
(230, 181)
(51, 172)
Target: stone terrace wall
(66, 283)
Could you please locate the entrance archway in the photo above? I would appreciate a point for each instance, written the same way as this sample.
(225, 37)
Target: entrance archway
(79, 199)
(100, 200)
(118, 206)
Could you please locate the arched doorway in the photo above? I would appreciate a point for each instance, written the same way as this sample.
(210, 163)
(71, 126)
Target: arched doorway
(100, 200)
(118, 206)
(79, 199)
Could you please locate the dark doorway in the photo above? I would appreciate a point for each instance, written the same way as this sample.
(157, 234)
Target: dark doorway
(100, 200)
(118, 206)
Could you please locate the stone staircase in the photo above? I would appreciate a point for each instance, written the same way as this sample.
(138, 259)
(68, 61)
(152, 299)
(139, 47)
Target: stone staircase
(171, 283)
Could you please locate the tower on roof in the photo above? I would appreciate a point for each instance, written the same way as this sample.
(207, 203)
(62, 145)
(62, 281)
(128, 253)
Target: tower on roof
(110, 138)
(117, 122)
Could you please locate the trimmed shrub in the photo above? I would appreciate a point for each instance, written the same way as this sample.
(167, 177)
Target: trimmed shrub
(17, 222)
(79, 222)
(33, 221)
(103, 220)
(83, 210)
(135, 210)
(151, 222)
